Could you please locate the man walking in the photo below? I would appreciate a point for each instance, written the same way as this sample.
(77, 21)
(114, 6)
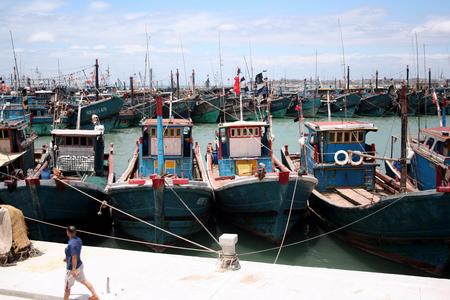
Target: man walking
(75, 265)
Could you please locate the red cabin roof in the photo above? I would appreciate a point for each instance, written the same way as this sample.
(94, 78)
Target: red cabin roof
(442, 133)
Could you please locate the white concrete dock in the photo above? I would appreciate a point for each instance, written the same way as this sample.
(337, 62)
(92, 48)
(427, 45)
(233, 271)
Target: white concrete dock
(144, 275)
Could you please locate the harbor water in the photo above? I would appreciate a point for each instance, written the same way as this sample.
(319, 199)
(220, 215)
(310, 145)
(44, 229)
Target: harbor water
(314, 249)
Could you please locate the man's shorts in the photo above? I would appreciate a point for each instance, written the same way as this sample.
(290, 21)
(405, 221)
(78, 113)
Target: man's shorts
(70, 279)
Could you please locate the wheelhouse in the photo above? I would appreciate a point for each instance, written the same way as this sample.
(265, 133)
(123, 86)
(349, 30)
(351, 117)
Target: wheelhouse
(177, 141)
(243, 147)
(436, 141)
(333, 154)
(78, 151)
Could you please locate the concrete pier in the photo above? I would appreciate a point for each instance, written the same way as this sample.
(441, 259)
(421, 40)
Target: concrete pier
(144, 275)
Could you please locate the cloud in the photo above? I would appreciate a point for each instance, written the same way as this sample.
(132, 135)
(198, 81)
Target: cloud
(42, 36)
(99, 5)
(436, 26)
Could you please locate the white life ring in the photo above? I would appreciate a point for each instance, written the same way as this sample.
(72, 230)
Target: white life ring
(341, 162)
(359, 161)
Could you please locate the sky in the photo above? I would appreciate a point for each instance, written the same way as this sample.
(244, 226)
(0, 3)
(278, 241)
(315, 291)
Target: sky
(281, 37)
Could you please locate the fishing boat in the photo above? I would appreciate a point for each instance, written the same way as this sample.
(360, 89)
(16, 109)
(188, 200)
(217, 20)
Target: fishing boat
(165, 183)
(59, 189)
(207, 109)
(343, 105)
(367, 208)
(106, 109)
(181, 108)
(310, 103)
(253, 189)
(376, 103)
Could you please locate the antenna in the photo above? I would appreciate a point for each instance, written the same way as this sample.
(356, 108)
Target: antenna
(15, 59)
(417, 61)
(184, 62)
(342, 45)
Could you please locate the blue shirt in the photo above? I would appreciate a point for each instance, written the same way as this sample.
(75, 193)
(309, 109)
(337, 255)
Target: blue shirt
(73, 248)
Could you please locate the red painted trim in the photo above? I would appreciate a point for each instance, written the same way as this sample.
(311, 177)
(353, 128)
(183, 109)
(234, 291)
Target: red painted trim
(158, 183)
(220, 149)
(32, 181)
(136, 181)
(180, 181)
(443, 189)
(316, 153)
(283, 177)
(159, 105)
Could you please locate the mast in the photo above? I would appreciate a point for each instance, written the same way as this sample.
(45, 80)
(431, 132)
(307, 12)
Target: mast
(160, 134)
(193, 83)
(376, 80)
(342, 45)
(417, 63)
(16, 70)
(221, 80)
(348, 78)
(96, 79)
(177, 74)
(171, 81)
(404, 132)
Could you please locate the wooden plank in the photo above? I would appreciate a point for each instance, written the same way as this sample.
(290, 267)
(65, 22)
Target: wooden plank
(367, 194)
(353, 196)
(337, 200)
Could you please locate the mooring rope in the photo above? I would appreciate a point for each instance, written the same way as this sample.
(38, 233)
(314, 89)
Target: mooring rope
(104, 203)
(193, 214)
(136, 218)
(118, 238)
(325, 233)
(287, 222)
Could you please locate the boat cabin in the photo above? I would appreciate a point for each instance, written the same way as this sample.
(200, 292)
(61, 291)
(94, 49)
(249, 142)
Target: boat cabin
(243, 147)
(326, 154)
(78, 151)
(177, 141)
(16, 146)
(431, 158)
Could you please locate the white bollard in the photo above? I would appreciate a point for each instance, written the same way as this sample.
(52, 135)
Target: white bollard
(228, 258)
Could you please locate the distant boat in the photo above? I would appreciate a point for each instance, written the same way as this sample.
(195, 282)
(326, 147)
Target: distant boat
(180, 108)
(183, 174)
(253, 189)
(377, 103)
(310, 104)
(342, 106)
(107, 110)
(207, 109)
(366, 206)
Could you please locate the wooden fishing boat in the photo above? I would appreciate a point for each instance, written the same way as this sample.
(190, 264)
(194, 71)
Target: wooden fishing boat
(376, 103)
(341, 105)
(71, 170)
(371, 210)
(166, 152)
(207, 109)
(253, 189)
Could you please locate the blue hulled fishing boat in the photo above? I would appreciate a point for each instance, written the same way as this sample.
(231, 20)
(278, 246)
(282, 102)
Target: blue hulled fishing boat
(377, 103)
(343, 105)
(166, 170)
(71, 170)
(253, 189)
(106, 109)
(373, 211)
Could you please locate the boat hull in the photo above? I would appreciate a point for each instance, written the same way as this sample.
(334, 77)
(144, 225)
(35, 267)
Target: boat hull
(412, 228)
(207, 111)
(374, 105)
(343, 106)
(55, 202)
(262, 206)
(139, 201)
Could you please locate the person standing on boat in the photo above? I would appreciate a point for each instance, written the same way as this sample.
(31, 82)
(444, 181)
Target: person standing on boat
(74, 270)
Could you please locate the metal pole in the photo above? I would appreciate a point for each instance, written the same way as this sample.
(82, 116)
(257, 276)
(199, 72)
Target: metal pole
(404, 137)
(96, 79)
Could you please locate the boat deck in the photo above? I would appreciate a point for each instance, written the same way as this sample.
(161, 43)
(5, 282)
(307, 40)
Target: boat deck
(125, 274)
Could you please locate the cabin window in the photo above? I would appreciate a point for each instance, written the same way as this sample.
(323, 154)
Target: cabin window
(339, 137)
(244, 131)
(439, 147)
(430, 142)
(83, 141)
(178, 132)
(233, 133)
(250, 131)
(347, 137)
(153, 132)
(69, 141)
(166, 132)
(361, 136)
(76, 140)
(89, 141)
(331, 137)
(238, 132)
(256, 131)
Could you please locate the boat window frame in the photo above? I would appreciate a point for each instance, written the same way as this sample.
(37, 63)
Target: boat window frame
(244, 132)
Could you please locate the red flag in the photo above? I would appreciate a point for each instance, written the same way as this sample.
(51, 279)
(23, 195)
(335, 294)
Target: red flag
(434, 97)
(237, 85)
